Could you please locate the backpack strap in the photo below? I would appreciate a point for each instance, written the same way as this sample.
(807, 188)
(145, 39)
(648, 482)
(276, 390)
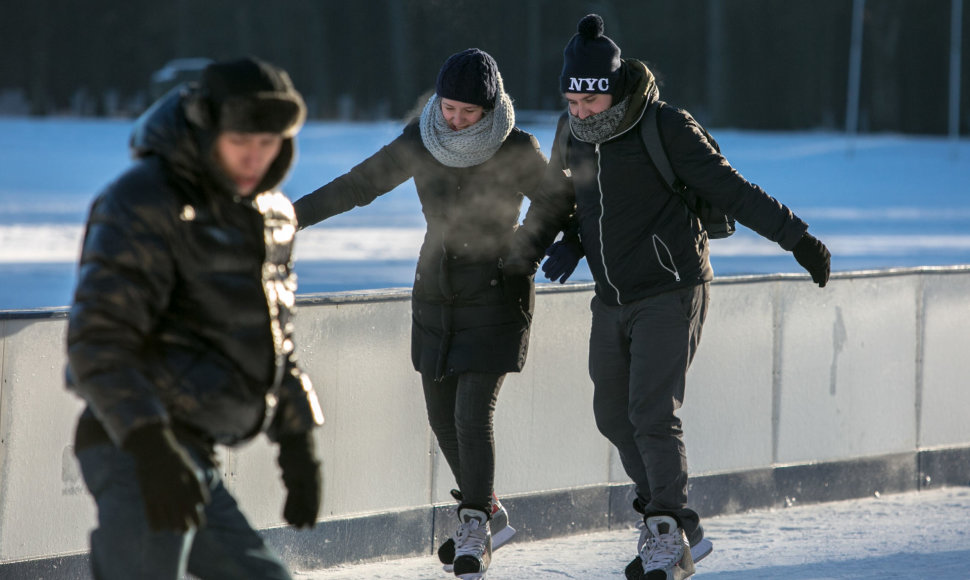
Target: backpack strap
(650, 133)
(717, 223)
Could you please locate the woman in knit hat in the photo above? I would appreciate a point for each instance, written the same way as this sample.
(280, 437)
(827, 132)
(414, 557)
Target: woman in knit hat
(649, 256)
(470, 320)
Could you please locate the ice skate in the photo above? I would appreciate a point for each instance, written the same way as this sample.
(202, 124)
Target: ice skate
(502, 532)
(700, 546)
(473, 544)
(664, 552)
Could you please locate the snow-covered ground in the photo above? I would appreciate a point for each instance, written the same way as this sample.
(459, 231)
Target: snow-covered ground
(912, 536)
(878, 201)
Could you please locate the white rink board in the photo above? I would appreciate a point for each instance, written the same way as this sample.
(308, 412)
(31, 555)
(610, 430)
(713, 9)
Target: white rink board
(786, 373)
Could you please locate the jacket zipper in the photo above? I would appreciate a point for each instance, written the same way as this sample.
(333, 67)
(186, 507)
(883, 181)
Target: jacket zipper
(673, 267)
(599, 187)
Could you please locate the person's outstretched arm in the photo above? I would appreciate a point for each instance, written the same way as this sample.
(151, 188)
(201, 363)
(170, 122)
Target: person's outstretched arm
(373, 177)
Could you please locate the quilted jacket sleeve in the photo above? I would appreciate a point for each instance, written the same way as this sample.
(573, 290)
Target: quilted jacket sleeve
(124, 281)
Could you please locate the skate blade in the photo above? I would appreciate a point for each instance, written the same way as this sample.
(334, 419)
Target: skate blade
(701, 550)
(502, 536)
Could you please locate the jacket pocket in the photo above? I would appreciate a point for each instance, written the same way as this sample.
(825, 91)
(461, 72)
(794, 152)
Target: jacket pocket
(476, 283)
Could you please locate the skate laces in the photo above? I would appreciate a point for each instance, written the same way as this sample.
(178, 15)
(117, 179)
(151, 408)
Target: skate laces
(660, 553)
(660, 550)
(471, 537)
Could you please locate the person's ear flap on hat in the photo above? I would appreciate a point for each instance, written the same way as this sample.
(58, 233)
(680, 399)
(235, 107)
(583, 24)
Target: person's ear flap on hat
(196, 109)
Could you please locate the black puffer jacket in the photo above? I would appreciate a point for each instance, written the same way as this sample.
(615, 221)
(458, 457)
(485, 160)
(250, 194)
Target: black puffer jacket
(182, 312)
(466, 316)
(638, 238)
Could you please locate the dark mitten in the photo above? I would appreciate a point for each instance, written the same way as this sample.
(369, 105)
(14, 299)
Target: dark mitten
(301, 476)
(563, 258)
(170, 482)
(812, 255)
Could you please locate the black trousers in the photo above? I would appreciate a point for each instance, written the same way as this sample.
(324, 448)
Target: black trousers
(460, 411)
(639, 354)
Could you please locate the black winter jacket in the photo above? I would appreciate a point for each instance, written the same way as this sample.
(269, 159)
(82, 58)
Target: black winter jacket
(465, 315)
(639, 239)
(183, 309)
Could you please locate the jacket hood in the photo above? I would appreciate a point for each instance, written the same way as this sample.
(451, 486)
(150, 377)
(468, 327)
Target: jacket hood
(642, 90)
(165, 131)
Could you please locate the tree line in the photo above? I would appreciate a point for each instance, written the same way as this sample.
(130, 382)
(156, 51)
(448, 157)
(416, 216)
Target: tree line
(752, 64)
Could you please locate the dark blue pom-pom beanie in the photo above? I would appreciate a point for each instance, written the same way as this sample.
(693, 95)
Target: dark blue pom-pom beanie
(469, 76)
(591, 60)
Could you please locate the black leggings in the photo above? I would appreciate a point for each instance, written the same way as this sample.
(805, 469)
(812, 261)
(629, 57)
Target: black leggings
(460, 410)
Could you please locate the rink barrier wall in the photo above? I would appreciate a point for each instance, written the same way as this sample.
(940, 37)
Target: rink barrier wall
(798, 395)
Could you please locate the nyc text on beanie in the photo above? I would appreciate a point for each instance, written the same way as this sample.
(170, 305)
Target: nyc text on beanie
(591, 60)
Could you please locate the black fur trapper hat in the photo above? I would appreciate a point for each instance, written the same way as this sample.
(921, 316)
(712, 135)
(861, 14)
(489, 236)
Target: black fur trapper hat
(247, 95)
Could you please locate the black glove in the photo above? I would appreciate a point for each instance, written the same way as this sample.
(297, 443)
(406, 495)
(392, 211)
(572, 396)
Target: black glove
(170, 482)
(563, 258)
(301, 476)
(812, 255)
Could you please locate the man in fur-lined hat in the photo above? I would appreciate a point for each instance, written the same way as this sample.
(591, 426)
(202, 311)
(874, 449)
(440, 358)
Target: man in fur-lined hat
(180, 335)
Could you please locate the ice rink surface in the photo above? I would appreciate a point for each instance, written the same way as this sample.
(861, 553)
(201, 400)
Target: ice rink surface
(914, 536)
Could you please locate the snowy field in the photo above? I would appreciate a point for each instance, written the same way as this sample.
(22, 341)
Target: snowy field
(878, 202)
(912, 536)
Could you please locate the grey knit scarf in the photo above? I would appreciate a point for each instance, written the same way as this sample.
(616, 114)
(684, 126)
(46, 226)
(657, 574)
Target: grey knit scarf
(601, 126)
(472, 145)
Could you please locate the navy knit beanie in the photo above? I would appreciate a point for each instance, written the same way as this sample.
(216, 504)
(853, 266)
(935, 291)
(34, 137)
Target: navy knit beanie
(248, 95)
(591, 60)
(469, 76)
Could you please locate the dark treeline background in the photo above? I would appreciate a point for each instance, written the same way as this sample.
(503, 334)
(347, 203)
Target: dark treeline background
(756, 64)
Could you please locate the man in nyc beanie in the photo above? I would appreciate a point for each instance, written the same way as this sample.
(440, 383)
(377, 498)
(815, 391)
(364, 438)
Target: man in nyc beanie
(180, 336)
(649, 256)
(591, 61)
